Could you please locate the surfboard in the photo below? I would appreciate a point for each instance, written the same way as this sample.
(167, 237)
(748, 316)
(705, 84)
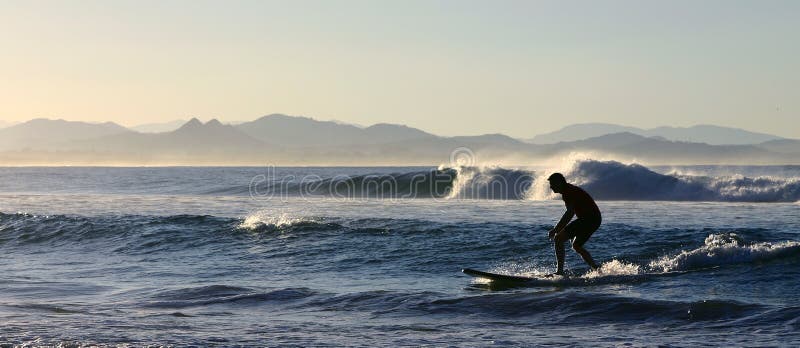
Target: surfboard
(499, 277)
(514, 280)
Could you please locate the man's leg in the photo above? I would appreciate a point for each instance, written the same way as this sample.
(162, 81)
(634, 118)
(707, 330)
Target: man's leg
(558, 243)
(583, 232)
(584, 254)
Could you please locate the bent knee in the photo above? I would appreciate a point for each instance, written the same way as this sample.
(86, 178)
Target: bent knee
(577, 247)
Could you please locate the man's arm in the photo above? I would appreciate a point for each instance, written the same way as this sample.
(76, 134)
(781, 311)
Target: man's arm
(563, 222)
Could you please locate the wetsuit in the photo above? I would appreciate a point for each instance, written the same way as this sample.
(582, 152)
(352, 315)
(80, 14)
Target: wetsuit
(584, 207)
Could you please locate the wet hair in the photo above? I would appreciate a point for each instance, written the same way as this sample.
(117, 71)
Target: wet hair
(557, 177)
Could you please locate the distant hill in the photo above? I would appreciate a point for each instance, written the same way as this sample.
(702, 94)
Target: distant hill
(609, 141)
(631, 146)
(709, 134)
(193, 139)
(386, 133)
(785, 146)
(290, 131)
(286, 140)
(582, 131)
(713, 135)
(158, 127)
(43, 133)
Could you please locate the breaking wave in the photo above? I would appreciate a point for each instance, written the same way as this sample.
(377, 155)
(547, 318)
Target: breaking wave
(459, 182)
(605, 180)
(617, 181)
(725, 249)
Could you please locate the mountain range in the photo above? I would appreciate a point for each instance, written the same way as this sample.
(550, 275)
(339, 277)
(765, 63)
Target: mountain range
(289, 140)
(709, 134)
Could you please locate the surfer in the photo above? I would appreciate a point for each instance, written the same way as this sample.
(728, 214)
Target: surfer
(578, 203)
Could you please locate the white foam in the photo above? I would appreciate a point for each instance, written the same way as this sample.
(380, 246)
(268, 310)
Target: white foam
(492, 182)
(614, 268)
(540, 187)
(761, 188)
(263, 219)
(464, 175)
(723, 249)
(521, 269)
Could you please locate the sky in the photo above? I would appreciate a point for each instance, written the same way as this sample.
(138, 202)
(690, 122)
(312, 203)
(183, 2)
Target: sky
(519, 68)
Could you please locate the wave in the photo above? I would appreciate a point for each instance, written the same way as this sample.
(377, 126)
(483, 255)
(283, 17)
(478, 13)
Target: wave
(575, 307)
(417, 184)
(612, 180)
(436, 245)
(491, 183)
(222, 294)
(605, 180)
(268, 222)
(127, 233)
(557, 307)
(457, 182)
(725, 249)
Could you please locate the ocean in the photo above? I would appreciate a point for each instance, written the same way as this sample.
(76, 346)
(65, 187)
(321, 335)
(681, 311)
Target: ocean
(372, 256)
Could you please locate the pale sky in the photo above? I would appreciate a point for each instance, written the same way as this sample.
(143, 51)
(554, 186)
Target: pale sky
(448, 67)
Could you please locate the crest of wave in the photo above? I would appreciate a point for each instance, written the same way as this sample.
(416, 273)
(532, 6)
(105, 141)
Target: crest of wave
(722, 249)
(490, 182)
(616, 180)
(569, 165)
(264, 219)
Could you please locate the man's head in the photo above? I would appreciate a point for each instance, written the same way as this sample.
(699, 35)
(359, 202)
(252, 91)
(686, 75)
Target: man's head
(557, 182)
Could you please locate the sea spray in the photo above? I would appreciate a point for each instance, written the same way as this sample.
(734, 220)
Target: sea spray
(490, 183)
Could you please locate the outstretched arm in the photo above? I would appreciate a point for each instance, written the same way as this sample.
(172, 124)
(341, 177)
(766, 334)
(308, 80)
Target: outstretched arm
(562, 223)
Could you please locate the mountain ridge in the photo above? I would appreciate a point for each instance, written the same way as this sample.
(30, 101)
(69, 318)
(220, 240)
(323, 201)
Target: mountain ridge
(289, 140)
(710, 134)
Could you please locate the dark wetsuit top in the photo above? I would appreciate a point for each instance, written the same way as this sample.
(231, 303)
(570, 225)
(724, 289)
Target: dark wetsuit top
(581, 203)
(586, 209)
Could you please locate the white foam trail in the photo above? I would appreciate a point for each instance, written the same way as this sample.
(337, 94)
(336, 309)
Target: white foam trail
(723, 249)
(718, 249)
(522, 269)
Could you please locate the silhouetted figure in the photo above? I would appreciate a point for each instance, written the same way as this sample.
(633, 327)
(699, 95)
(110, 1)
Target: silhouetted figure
(578, 203)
